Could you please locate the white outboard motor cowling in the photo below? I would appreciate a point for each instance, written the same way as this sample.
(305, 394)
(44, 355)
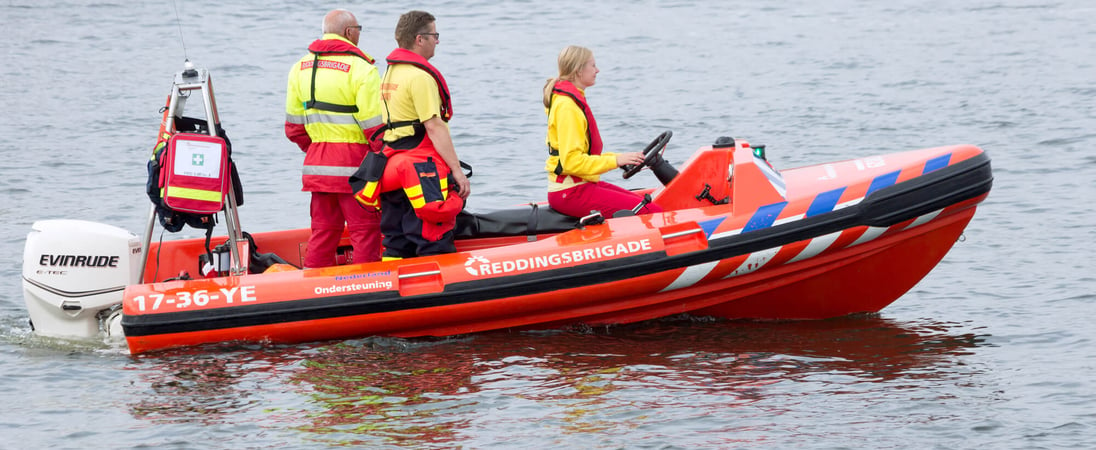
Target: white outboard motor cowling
(74, 274)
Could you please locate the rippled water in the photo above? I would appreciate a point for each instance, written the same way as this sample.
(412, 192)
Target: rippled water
(994, 349)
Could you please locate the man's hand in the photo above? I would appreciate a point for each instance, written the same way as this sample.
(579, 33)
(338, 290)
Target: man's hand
(464, 186)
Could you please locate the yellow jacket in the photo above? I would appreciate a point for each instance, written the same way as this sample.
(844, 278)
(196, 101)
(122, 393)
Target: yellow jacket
(568, 134)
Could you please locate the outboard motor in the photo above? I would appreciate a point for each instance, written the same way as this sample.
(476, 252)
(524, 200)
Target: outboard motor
(74, 274)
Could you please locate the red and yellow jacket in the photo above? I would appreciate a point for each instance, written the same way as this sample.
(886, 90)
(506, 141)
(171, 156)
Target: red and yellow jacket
(332, 107)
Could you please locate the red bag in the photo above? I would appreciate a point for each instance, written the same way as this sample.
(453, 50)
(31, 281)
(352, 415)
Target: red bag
(194, 173)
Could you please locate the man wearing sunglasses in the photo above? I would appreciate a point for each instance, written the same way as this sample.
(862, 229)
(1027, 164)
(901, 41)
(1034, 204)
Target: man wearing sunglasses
(422, 188)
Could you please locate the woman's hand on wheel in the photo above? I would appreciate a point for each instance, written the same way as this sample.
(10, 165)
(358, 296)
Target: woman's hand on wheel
(632, 158)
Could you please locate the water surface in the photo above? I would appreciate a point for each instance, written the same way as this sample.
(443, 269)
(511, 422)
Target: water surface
(994, 349)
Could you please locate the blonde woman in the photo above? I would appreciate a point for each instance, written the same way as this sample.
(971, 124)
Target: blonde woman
(575, 157)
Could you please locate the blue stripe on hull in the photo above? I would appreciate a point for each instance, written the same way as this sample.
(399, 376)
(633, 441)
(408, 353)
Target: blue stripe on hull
(764, 217)
(883, 181)
(825, 202)
(937, 163)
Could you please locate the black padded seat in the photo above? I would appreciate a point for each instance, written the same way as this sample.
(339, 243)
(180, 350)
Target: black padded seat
(529, 220)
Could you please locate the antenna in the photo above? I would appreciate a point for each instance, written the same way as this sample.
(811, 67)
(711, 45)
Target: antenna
(179, 23)
(188, 67)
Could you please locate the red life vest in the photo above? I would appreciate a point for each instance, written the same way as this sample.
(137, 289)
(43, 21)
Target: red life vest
(394, 169)
(404, 56)
(593, 136)
(424, 178)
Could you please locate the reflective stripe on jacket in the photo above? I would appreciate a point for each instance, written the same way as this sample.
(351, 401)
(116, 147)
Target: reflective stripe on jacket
(331, 118)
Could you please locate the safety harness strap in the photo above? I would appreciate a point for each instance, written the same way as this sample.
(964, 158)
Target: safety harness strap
(312, 103)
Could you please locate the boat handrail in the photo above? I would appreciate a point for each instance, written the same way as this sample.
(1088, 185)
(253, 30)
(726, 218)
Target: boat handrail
(682, 233)
(404, 276)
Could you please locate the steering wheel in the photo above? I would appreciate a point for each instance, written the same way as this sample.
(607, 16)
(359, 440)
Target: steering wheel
(651, 154)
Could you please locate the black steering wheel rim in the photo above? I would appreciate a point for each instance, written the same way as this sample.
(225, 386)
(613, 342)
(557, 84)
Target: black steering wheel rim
(652, 153)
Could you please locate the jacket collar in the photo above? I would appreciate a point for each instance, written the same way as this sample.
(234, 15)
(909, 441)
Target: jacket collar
(332, 43)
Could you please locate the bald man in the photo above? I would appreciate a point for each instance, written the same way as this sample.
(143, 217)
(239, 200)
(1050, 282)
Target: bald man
(332, 108)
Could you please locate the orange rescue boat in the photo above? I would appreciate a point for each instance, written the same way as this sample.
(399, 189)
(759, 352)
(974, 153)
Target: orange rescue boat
(740, 239)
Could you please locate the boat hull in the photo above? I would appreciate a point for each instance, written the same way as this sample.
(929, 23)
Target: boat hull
(843, 283)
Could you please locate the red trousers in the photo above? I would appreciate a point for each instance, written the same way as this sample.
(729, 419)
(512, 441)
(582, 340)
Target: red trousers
(330, 211)
(601, 196)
